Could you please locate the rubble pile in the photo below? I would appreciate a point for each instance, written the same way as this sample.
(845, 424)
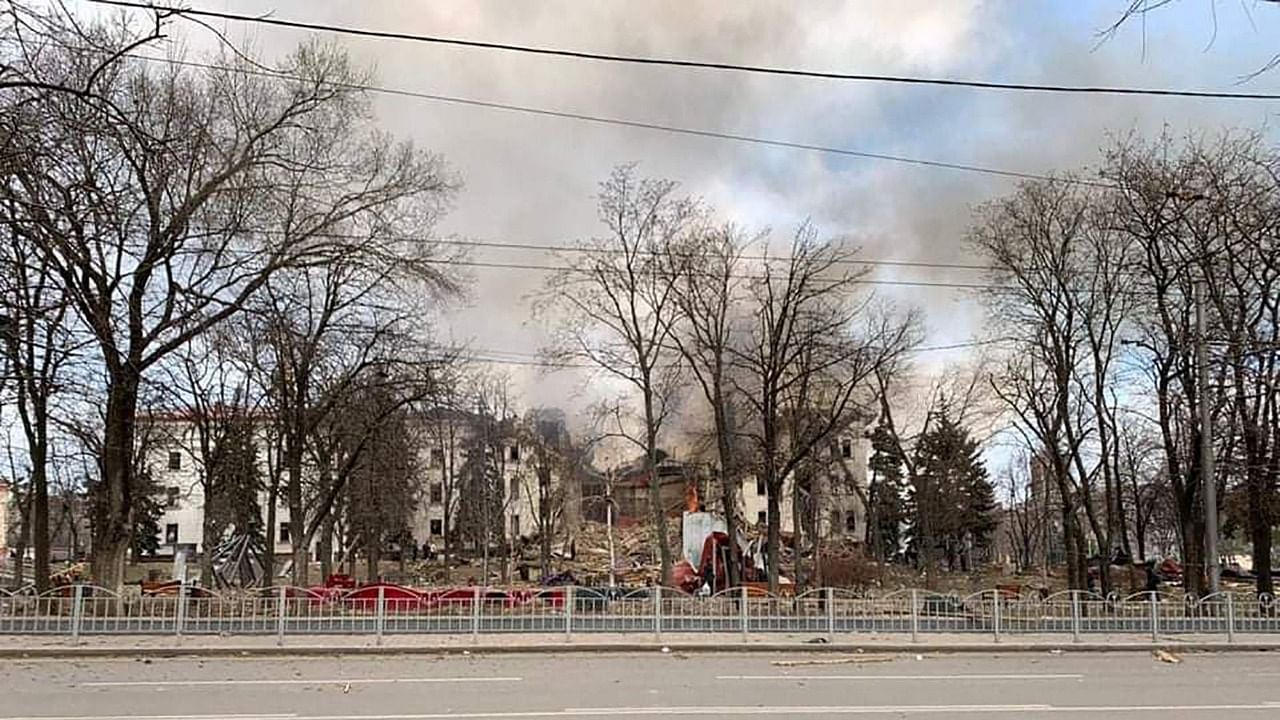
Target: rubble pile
(585, 553)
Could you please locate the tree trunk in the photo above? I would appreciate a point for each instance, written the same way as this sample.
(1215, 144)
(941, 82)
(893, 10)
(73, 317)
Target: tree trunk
(657, 512)
(40, 513)
(546, 526)
(297, 526)
(774, 521)
(1192, 531)
(373, 556)
(208, 540)
(1260, 530)
(797, 533)
(728, 490)
(114, 504)
(269, 561)
(20, 547)
(325, 549)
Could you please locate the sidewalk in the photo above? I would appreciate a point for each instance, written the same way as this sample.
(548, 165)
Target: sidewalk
(14, 647)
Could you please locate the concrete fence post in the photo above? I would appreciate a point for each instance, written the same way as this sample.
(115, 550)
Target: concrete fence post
(1155, 617)
(281, 603)
(475, 615)
(915, 615)
(381, 621)
(77, 613)
(1231, 619)
(180, 615)
(1075, 616)
(657, 612)
(831, 614)
(995, 613)
(568, 614)
(745, 614)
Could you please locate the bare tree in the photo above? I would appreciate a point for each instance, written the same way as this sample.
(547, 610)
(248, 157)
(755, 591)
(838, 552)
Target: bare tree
(39, 343)
(550, 456)
(1062, 308)
(165, 206)
(803, 370)
(616, 307)
(1182, 236)
(707, 265)
(210, 388)
(1137, 11)
(1025, 517)
(35, 40)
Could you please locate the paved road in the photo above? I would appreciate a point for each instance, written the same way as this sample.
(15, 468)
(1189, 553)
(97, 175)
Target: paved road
(1120, 685)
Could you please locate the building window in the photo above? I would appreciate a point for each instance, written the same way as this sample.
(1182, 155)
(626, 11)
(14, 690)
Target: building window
(514, 453)
(437, 493)
(171, 534)
(851, 523)
(846, 448)
(515, 526)
(760, 486)
(171, 497)
(437, 527)
(515, 488)
(437, 457)
(762, 518)
(284, 532)
(175, 460)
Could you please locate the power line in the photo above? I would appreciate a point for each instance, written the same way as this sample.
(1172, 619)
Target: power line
(857, 281)
(586, 250)
(535, 360)
(642, 125)
(876, 262)
(693, 64)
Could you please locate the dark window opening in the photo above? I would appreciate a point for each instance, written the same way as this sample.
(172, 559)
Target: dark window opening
(171, 534)
(437, 527)
(175, 460)
(284, 532)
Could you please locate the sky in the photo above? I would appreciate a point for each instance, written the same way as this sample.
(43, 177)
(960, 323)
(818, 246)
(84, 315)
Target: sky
(533, 179)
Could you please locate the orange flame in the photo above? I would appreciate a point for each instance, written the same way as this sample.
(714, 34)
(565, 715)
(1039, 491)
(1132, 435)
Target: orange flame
(691, 498)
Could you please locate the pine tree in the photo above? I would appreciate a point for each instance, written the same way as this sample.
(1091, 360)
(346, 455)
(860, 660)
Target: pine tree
(951, 500)
(886, 505)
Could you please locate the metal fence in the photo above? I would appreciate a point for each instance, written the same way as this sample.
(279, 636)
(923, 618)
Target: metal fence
(379, 610)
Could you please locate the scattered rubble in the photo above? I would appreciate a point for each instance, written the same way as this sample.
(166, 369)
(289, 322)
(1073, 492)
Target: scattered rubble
(853, 660)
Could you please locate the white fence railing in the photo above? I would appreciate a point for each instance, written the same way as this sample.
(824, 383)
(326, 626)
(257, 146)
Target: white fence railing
(378, 610)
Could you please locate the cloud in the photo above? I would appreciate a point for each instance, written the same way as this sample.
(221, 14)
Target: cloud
(531, 179)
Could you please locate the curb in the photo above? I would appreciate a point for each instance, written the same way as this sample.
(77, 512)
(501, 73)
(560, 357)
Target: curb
(71, 653)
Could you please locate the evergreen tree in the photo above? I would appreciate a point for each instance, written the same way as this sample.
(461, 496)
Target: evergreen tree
(951, 500)
(236, 480)
(886, 507)
(145, 516)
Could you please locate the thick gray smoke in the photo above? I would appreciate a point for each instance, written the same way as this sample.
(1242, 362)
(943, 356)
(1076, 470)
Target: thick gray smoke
(531, 179)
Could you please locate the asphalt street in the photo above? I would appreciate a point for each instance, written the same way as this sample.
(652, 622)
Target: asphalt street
(651, 685)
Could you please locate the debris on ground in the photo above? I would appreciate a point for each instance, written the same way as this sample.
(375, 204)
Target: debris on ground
(1165, 656)
(855, 660)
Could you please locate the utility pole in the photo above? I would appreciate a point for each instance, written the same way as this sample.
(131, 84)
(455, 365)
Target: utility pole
(1207, 481)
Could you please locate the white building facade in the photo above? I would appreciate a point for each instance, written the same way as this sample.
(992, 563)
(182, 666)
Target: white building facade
(840, 489)
(174, 462)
